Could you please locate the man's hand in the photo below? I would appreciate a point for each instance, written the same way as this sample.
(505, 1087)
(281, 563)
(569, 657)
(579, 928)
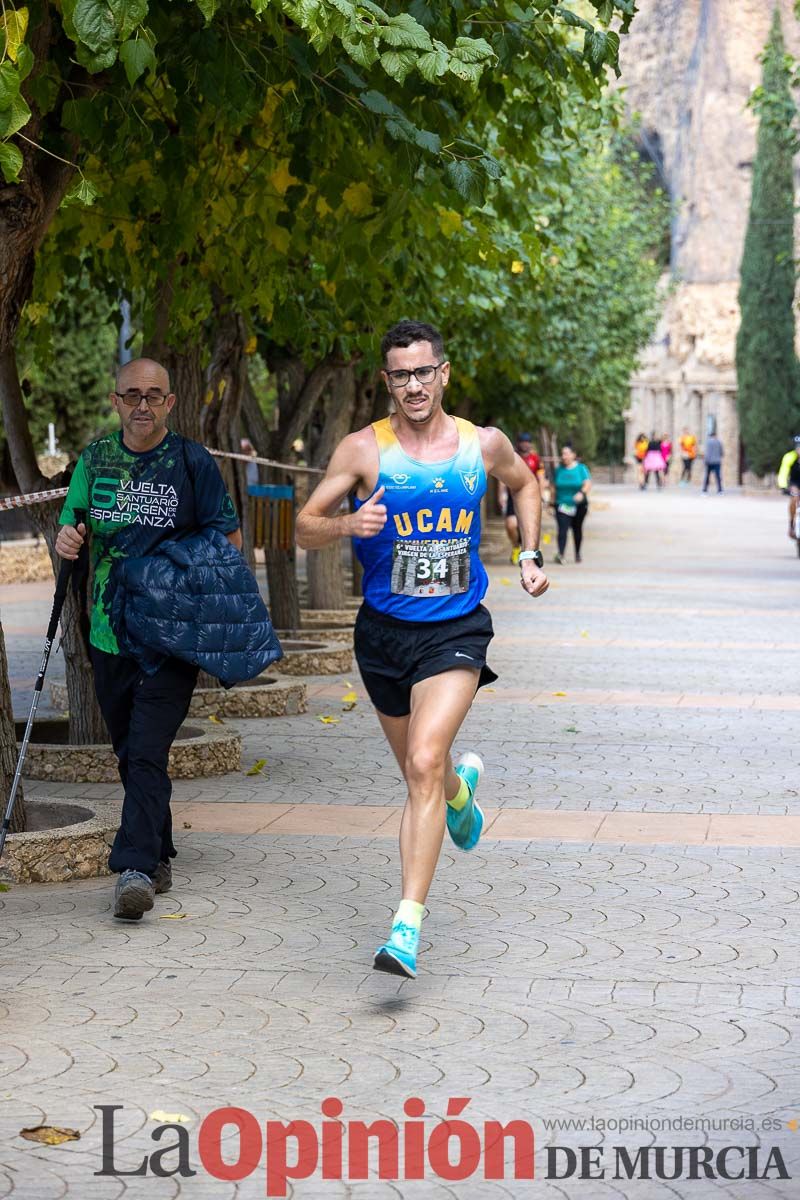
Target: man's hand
(370, 518)
(533, 578)
(70, 540)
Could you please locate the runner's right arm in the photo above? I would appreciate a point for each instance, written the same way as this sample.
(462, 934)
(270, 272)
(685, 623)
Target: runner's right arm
(319, 523)
(70, 537)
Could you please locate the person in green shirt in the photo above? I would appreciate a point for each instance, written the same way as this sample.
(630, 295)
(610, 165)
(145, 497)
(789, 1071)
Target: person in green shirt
(142, 485)
(573, 484)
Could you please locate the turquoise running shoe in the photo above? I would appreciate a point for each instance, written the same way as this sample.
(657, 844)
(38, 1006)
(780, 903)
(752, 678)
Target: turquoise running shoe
(399, 955)
(465, 824)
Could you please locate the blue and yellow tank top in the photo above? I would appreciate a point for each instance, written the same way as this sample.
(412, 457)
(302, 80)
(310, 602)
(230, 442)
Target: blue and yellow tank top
(424, 564)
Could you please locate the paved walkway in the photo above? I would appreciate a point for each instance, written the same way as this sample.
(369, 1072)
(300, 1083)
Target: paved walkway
(623, 945)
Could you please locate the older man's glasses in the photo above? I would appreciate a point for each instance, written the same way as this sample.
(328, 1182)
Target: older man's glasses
(421, 374)
(133, 397)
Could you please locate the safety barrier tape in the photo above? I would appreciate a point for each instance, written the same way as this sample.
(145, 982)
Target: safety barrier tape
(8, 502)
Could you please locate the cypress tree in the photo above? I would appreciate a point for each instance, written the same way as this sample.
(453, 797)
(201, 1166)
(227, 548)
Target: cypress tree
(766, 364)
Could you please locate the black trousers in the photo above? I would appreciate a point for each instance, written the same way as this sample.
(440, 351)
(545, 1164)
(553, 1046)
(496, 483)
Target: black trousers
(686, 473)
(715, 470)
(143, 713)
(575, 523)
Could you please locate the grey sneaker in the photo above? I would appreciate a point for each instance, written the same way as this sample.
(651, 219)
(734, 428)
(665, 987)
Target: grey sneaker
(134, 895)
(162, 877)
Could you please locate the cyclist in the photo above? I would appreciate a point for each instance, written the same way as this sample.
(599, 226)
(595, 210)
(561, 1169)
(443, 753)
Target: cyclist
(789, 481)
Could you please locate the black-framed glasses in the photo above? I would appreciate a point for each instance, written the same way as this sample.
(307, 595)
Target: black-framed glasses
(421, 374)
(133, 397)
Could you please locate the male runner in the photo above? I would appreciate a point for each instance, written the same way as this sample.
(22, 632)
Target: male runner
(422, 633)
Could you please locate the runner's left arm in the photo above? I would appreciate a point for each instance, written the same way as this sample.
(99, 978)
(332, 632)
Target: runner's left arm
(214, 508)
(501, 460)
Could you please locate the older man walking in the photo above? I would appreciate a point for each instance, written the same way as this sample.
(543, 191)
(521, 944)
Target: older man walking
(142, 485)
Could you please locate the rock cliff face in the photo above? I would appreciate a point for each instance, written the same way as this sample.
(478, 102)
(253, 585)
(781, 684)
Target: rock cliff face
(688, 68)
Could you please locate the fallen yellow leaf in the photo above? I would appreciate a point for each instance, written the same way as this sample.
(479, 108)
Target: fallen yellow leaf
(584, 633)
(165, 1118)
(172, 916)
(505, 582)
(329, 720)
(547, 539)
(349, 698)
(559, 693)
(49, 1135)
(487, 689)
(217, 720)
(257, 767)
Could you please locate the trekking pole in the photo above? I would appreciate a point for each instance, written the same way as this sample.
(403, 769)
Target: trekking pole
(62, 583)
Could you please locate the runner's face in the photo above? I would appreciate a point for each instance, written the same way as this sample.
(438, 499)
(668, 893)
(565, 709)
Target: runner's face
(567, 456)
(417, 402)
(143, 423)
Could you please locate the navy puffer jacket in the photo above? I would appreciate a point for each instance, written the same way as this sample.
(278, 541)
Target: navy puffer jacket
(195, 599)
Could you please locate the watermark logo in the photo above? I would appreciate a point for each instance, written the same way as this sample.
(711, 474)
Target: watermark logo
(231, 1144)
(414, 1148)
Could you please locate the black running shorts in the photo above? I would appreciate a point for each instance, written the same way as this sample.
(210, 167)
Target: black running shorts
(393, 655)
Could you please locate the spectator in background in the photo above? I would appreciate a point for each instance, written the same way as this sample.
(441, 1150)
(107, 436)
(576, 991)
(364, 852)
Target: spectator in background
(573, 483)
(251, 468)
(688, 455)
(654, 462)
(640, 450)
(532, 461)
(666, 451)
(713, 456)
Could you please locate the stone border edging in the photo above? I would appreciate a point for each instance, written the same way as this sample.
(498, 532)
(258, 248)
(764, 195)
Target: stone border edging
(213, 752)
(335, 618)
(325, 659)
(271, 698)
(78, 851)
(341, 636)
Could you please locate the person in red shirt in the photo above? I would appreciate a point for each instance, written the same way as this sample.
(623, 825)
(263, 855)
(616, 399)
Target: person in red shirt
(534, 464)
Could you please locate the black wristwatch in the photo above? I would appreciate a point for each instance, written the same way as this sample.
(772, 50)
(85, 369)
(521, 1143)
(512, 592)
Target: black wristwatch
(535, 555)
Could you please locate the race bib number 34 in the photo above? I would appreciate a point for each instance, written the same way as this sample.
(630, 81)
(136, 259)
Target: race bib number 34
(438, 568)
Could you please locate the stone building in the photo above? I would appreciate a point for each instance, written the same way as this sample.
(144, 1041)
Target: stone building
(688, 69)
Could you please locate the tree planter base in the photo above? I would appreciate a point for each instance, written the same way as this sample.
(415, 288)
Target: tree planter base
(265, 696)
(66, 839)
(196, 753)
(340, 637)
(327, 618)
(313, 658)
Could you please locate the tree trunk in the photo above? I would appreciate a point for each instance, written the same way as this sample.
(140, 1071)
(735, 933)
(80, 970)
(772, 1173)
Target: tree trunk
(221, 419)
(284, 600)
(297, 404)
(326, 584)
(8, 746)
(254, 422)
(85, 720)
(86, 724)
(184, 365)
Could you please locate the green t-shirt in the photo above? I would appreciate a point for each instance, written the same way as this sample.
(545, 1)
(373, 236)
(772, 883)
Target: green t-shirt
(568, 482)
(136, 500)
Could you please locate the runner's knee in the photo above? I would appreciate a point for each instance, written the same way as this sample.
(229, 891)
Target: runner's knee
(424, 763)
